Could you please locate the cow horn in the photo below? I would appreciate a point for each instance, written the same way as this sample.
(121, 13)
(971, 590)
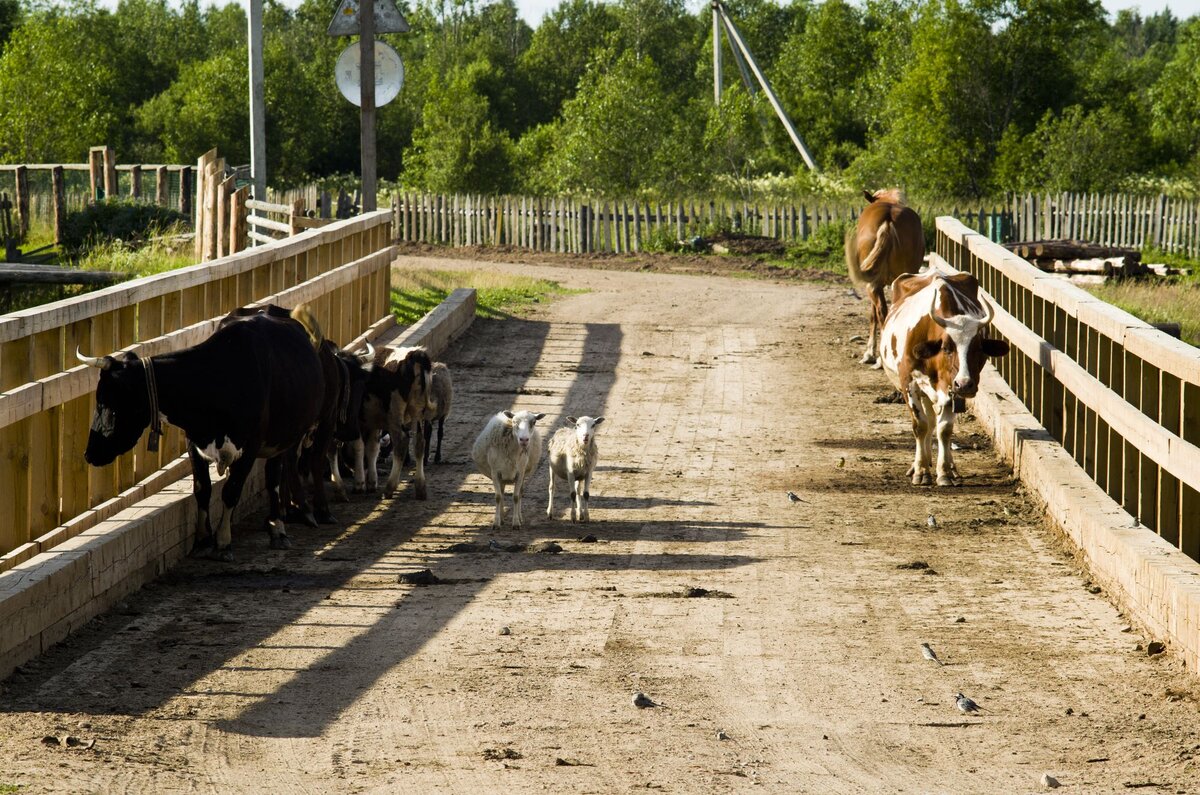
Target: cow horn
(92, 361)
(933, 308)
(367, 355)
(988, 312)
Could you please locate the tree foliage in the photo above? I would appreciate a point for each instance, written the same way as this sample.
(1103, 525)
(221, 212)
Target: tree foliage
(961, 98)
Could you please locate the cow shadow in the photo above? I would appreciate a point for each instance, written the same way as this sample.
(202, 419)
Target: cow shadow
(182, 644)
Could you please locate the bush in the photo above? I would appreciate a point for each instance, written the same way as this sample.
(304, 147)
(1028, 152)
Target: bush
(116, 219)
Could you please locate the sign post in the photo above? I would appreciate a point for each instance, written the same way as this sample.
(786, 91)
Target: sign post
(366, 18)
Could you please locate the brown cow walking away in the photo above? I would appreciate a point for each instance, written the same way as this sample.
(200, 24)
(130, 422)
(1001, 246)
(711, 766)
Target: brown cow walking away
(886, 242)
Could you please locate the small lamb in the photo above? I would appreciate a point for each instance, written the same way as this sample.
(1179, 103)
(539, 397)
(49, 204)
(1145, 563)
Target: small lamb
(509, 450)
(573, 455)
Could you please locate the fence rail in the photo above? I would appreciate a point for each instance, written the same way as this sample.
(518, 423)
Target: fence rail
(45, 192)
(1122, 397)
(46, 398)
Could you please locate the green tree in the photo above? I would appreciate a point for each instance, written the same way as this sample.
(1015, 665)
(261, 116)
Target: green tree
(58, 81)
(1176, 98)
(1073, 151)
(457, 147)
(612, 128)
(205, 107)
(560, 51)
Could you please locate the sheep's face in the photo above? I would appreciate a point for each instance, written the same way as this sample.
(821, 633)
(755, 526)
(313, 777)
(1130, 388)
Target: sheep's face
(522, 423)
(585, 428)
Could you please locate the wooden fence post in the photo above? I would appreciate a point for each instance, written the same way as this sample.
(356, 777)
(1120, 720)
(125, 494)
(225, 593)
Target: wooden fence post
(185, 193)
(161, 186)
(59, 189)
(237, 219)
(135, 182)
(110, 172)
(96, 172)
(22, 190)
(296, 213)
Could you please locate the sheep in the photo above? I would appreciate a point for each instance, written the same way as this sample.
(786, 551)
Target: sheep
(509, 450)
(573, 455)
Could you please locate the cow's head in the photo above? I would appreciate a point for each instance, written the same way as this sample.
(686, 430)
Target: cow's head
(522, 426)
(961, 347)
(122, 406)
(585, 428)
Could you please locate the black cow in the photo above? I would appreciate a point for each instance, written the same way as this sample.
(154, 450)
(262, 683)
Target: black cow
(251, 390)
(397, 397)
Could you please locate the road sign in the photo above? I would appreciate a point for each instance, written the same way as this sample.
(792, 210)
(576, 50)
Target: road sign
(388, 19)
(389, 74)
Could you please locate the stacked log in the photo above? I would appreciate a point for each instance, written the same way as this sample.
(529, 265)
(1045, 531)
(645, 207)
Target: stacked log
(1083, 262)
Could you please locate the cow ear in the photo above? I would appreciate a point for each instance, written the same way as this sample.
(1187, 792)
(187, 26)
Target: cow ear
(870, 196)
(927, 349)
(995, 347)
(508, 414)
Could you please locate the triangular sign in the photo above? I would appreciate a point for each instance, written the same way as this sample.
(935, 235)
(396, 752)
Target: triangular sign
(388, 18)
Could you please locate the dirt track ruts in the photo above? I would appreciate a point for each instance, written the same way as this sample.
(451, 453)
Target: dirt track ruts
(315, 670)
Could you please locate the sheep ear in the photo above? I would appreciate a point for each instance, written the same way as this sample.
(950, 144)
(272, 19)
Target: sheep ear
(508, 414)
(537, 417)
(597, 421)
(572, 420)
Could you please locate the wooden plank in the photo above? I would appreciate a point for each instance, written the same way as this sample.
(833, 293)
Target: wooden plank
(15, 450)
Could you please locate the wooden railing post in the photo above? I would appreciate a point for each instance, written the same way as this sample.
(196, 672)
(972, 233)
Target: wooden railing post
(59, 188)
(297, 212)
(96, 173)
(21, 178)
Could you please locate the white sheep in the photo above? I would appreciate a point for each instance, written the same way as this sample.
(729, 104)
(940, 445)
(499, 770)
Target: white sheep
(573, 455)
(509, 450)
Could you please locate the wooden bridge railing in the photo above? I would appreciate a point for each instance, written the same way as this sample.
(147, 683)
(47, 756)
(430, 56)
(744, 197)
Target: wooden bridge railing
(47, 492)
(1121, 397)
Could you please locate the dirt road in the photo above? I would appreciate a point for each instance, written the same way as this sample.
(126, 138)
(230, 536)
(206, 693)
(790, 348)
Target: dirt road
(792, 665)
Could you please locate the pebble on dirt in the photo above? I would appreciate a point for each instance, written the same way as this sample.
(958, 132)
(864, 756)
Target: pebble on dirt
(505, 631)
(422, 577)
(1155, 647)
(1049, 781)
(549, 548)
(588, 539)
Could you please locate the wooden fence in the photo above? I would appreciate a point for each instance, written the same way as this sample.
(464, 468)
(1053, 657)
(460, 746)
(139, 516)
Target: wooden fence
(578, 226)
(1111, 219)
(43, 193)
(1120, 396)
(49, 493)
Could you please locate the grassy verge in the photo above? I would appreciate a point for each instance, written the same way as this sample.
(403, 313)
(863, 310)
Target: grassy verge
(1160, 301)
(824, 250)
(498, 295)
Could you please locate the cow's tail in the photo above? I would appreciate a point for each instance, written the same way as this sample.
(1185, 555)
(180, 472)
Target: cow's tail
(304, 315)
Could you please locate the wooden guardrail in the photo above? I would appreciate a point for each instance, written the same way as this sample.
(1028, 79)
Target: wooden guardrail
(49, 494)
(1122, 397)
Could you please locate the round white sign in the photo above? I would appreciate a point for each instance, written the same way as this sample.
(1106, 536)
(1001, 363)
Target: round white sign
(389, 74)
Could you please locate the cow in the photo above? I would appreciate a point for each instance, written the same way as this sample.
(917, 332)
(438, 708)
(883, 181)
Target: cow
(886, 241)
(251, 390)
(933, 347)
(398, 394)
(345, 376)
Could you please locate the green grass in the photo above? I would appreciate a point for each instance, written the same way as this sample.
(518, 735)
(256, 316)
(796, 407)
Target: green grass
(1173, 299)
(162, 253)
(823, 250)
(8, 789)
(498, 295)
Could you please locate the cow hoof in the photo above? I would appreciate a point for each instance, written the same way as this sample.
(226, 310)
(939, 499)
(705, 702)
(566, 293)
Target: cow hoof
(877, 364)
(922, 479)
(910, 471)
(281, 542)
(421, 493)
(946, 480)
(202, 549)
(325, 517)
(222, 554)
(867, 359)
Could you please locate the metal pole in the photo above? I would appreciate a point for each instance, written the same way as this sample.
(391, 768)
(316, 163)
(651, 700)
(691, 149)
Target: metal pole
(258, 124)
(366, 21)
(736, 39)
(716, 40)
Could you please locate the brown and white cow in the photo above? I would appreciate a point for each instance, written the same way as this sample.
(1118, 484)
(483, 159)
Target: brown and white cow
(398, 394)
(886, 241)
(933, 347)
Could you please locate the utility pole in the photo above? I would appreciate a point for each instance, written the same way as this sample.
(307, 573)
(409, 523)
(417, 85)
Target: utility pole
(366, 22)
(258, 124)
(716, 41)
